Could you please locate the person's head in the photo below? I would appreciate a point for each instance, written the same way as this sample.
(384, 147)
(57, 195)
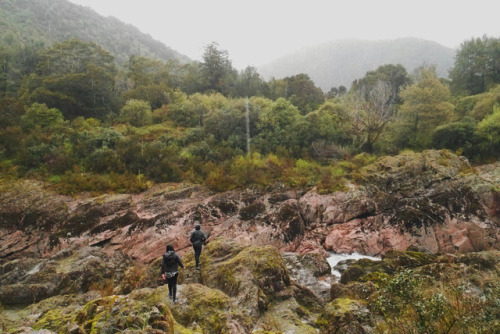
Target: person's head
(197, 227)
(170, 248)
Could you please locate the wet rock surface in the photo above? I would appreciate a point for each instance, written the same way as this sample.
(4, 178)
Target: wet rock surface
(414, 200)
(84, 260)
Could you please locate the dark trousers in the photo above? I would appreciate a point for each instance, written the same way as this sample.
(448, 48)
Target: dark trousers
(172, 286)
(197, 253)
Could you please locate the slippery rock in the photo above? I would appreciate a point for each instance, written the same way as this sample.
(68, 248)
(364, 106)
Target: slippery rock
(64, 273)
(432, 201)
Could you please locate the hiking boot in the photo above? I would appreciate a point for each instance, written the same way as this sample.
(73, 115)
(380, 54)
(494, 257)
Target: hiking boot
(198, 268)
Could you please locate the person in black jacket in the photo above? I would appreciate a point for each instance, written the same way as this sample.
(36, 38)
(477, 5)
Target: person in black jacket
(197, 238)
(170, 270)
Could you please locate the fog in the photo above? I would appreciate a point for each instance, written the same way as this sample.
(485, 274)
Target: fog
(256, 32)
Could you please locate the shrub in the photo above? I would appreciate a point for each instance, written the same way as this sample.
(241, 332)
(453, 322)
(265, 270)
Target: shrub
(105, 288)
(136, 112)
(40, 115)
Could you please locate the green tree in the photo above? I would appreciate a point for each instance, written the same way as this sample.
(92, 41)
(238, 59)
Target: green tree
(302, 92)
(488, 131)
(393, 75)
(280, 125)
(477, 66)
(327, 131)
(136, 112)
(216, 69)
(149, 80)
(426, 106)
(75, 77)
(40, 115)
(456, 136)
(250, 83)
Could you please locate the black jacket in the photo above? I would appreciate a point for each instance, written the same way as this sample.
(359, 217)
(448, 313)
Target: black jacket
(171, 262)
(198, 237)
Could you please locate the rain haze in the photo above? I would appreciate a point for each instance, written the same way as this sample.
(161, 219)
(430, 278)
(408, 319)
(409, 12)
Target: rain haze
(256, 32)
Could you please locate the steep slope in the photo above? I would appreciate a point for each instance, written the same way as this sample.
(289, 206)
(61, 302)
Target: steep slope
(51, 21)
(340, 62)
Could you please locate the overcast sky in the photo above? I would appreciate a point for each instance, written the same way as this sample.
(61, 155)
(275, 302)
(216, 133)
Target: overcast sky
(258, 31)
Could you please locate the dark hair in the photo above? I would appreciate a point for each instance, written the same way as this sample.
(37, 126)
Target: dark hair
(197, 226)
(170, 248)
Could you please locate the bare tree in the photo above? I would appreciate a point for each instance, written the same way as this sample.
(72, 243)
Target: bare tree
(369, 112)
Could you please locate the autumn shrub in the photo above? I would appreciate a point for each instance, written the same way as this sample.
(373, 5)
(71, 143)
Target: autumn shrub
(133, 279)
(307, 174)
(220, 179)
(248, 170)
(410, 303)
(105, 287)
(73, 182)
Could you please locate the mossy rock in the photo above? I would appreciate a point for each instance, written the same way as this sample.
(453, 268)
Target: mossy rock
(353, 273)
(344, 315)
(55, 320)
(209, 308)
(376, 277)
(409, 259)
(338, 290)
(261, 266)
(121, 313)
(286, 317)
(481, 260)
(221, 248)
(307, 298)
(316, 263)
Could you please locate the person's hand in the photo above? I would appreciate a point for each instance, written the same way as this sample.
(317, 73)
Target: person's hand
(163, 276)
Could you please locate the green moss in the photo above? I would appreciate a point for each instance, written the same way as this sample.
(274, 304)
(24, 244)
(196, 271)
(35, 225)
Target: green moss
(55, 320)
(343, 315)
(208, 307)
(222, 248)
(344, 305)
(264, 265)
(179, 329)
(376, 277)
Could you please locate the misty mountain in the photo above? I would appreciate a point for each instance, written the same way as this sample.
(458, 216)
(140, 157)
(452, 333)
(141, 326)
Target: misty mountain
(51, 21)
(341, 62)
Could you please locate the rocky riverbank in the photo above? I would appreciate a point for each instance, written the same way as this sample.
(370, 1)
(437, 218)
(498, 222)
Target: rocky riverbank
(95, 259)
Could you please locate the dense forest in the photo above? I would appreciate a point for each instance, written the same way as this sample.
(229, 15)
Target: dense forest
(45, 22)
(71, 115)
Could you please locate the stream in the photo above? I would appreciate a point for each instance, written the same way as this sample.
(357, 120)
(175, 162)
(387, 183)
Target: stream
(334, 259)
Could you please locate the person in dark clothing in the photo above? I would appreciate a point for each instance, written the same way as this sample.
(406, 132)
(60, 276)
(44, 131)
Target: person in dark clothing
(170, 270)
(197, 238)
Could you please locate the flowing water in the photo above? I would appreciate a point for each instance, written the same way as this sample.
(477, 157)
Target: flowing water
(334, 259)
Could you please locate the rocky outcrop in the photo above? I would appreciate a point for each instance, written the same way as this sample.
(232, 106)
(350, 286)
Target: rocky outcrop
(240, 290)
(432, 201)
(26, 281)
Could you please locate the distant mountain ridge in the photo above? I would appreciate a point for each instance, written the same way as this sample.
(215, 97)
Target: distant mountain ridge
(341, 62)
(52, 21)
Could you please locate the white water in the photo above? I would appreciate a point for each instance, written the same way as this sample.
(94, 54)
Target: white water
(334, 259)
(35, 269)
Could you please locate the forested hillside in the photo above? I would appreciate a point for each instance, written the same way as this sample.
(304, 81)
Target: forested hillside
(49, 21)
(340, 62)
(71, 115)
